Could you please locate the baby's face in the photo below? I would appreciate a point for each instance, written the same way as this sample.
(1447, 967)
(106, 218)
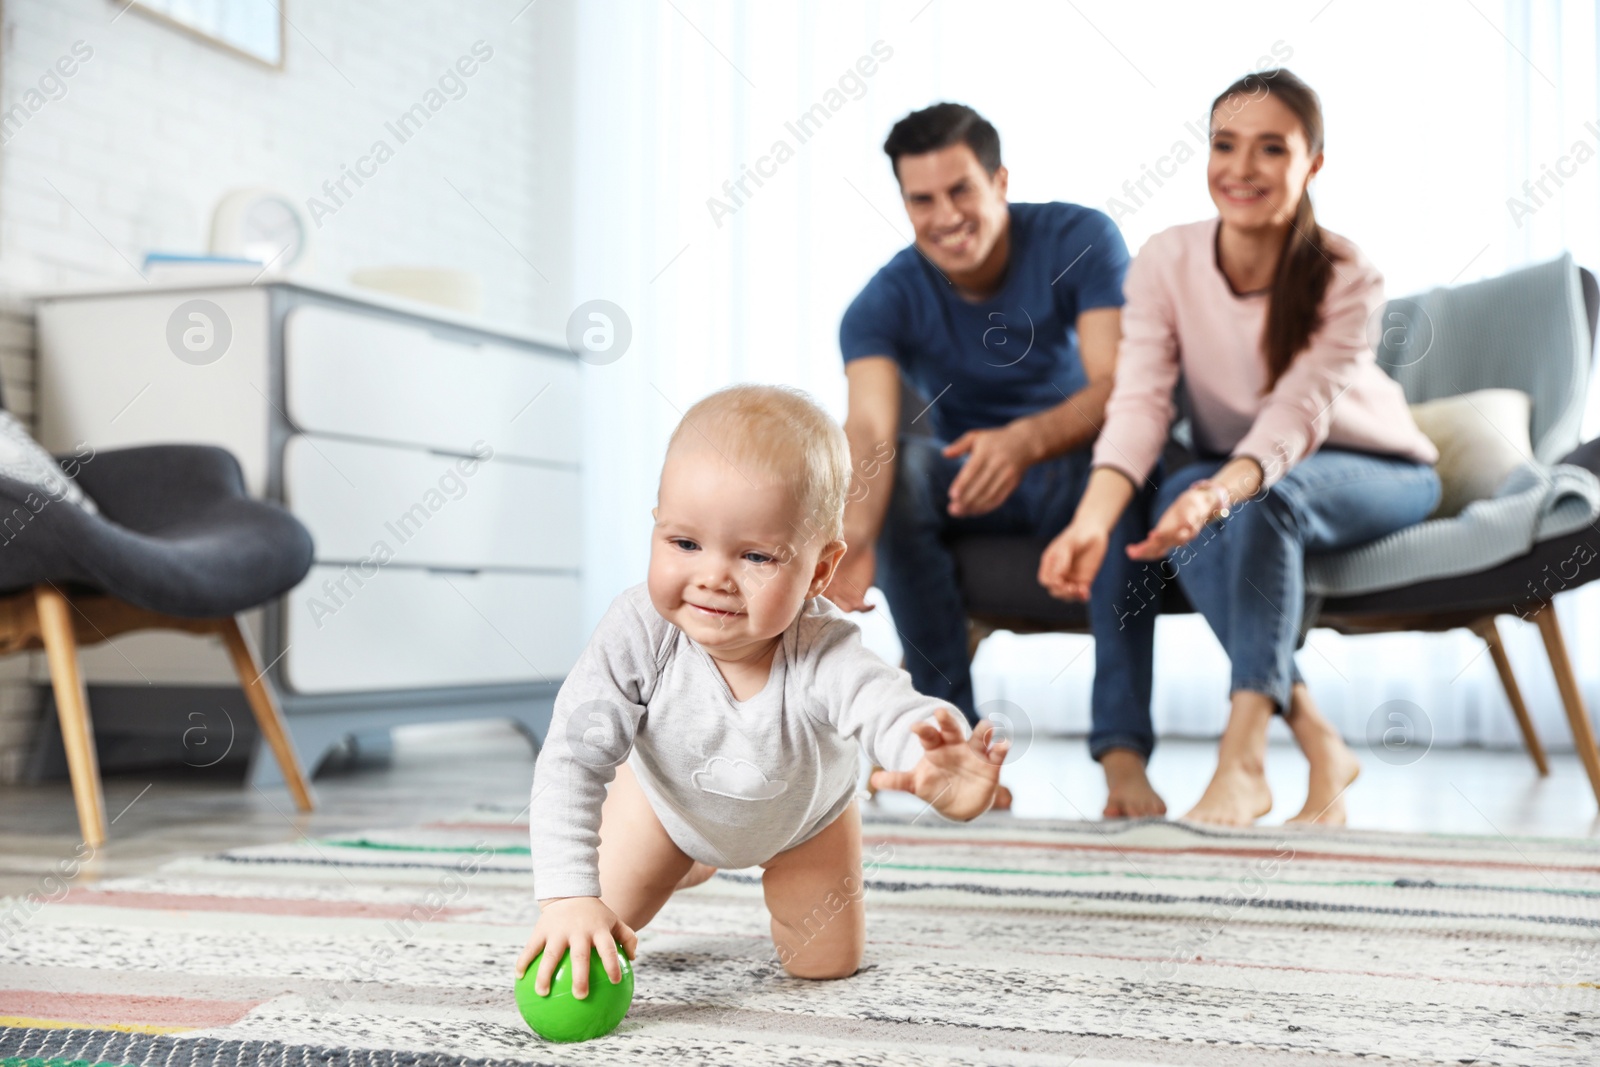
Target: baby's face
(731, 561)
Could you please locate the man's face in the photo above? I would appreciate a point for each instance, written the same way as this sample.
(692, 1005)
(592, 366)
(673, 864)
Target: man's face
(957, 210)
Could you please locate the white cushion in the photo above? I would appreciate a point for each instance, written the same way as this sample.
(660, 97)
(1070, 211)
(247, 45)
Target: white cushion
(23, 459)
(1481, 437)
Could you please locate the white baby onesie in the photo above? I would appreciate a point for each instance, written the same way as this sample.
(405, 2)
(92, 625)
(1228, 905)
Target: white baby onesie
(733, 782)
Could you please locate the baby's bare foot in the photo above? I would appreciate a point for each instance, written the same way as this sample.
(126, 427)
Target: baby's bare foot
(1129, 794)
(697, 874)
(1333, 768)
(1237, 796)
(1002, 799)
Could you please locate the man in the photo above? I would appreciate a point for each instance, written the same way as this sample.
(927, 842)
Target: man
(1006, 317)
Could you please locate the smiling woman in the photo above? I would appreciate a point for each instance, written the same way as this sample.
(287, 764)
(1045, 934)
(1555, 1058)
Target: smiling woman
(1259, 318)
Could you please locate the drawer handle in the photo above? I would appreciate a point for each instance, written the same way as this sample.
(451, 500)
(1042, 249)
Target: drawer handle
(474, 343)
(449, 453)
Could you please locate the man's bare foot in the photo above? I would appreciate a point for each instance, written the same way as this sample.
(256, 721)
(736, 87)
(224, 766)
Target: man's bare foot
(1237, 796)
(697, 874)
(1333, 765)
(1129, 794)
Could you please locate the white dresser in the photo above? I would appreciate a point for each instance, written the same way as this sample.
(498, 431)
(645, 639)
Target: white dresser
(435, 460)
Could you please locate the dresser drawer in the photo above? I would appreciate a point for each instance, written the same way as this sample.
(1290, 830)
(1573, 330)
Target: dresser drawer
(404, 628)
(431, 510)
(363, 376)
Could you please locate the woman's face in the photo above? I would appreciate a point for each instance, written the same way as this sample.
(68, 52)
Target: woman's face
(1260, 162)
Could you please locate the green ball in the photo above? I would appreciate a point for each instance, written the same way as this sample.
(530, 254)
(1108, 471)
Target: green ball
(562, 1016)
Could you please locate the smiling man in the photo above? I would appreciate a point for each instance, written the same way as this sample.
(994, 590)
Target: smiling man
(1006, 318)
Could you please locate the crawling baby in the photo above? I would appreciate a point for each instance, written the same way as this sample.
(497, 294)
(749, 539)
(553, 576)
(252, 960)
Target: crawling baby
(724, 702)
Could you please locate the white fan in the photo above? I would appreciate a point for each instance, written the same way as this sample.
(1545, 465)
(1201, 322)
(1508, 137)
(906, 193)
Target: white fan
(264, 225)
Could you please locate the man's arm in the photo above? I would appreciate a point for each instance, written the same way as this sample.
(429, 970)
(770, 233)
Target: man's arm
(998, 457)
(872, 425)
(1076, 421)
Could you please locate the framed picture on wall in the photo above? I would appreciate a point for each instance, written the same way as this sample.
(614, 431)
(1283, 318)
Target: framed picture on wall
(254, 31)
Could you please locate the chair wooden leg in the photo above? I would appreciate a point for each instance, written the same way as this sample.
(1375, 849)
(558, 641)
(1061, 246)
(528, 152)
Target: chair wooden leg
(976, 632)
(1571, 697)
(1490, 632)
(268, 716)
(72, 707)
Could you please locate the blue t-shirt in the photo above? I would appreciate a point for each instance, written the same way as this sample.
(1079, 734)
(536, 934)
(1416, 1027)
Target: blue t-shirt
(1012, 355)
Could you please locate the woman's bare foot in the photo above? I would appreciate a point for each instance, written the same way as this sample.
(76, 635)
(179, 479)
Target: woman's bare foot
(1238, 793)
(1333, 765)
(1129, 794)
(1237, 796)
(697, 874)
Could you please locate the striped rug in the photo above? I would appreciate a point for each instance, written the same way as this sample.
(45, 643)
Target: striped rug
(1004, 941)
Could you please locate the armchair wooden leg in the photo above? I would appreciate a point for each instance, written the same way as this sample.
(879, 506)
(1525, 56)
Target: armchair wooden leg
(1571, 697)
(976, 632)
(268, 717)
(72, 707)
(1490, 632)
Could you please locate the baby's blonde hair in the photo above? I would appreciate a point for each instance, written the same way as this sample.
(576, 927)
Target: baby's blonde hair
(779, 430)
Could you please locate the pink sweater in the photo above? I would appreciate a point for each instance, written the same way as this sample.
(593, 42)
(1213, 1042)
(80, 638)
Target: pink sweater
(1182, 316)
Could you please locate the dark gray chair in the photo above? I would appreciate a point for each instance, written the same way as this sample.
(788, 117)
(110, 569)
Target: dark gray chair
(178, 544)
(998, 574)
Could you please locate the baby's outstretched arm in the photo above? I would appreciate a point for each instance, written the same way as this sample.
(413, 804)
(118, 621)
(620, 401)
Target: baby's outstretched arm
(865, 698)
(958, 775)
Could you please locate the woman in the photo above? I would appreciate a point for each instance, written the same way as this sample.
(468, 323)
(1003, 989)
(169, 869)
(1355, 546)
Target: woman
(1307, 445)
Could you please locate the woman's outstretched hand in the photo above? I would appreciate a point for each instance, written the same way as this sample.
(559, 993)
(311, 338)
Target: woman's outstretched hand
(1183, 520)
(1068, 566)
(957, 775)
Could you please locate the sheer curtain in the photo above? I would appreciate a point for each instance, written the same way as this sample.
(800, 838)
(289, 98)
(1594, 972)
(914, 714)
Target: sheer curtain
(733, 197)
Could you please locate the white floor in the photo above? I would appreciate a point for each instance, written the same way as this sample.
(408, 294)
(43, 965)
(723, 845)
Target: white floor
(446, 769)
(1453, 791)
(1446, 790)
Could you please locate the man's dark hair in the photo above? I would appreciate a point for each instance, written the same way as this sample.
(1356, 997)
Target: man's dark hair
(941, 126)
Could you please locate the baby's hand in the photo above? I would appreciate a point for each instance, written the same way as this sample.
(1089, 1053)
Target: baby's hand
(576, 923)
(958, 776)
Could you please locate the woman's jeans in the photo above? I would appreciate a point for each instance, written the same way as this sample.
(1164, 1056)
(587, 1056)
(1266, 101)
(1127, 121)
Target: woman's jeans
(917, 573)
(1246, 574)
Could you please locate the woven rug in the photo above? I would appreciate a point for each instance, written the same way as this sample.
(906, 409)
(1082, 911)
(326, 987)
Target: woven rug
(1002, 941)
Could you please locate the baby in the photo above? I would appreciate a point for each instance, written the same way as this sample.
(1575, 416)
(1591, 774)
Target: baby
(727, 697)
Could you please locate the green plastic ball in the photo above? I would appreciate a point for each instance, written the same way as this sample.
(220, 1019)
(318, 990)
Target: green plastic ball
(562, 1016)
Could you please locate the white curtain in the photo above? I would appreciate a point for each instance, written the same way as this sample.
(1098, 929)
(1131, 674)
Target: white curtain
(733, 235)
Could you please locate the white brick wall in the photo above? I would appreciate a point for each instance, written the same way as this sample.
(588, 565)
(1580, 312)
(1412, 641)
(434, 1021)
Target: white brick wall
(155, 126)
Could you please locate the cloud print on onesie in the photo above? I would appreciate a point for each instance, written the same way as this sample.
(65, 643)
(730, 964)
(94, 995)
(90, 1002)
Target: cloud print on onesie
(736, 778)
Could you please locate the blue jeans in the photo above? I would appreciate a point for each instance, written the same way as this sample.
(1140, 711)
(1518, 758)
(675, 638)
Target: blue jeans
(1246, 574)
(917, 573)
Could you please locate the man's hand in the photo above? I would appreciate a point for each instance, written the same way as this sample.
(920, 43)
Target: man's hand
(576, 923)
(996, 461)
(957, 775)
(853, 577)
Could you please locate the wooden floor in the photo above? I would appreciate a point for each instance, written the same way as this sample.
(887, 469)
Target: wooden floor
(440, 770)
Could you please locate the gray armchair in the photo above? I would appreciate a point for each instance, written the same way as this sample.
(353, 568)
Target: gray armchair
(1529, 349)
(177, 545)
